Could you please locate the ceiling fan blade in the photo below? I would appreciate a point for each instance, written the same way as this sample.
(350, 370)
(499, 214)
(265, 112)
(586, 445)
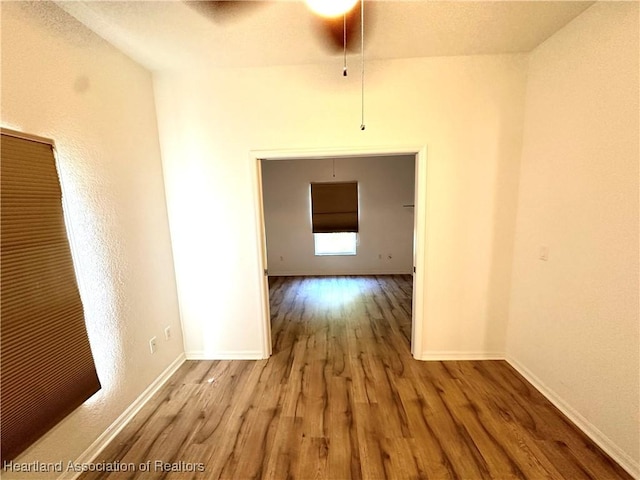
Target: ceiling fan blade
(225, 11)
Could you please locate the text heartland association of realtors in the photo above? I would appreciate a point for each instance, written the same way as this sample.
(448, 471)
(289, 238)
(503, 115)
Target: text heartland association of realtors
(149, 466)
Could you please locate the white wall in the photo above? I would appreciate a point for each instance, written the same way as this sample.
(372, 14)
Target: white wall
(61, 81)
(574, 325)
(385, 184)
(573, 319)
(468, 110)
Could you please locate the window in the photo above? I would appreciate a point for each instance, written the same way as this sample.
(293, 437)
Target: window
(342, 243)
(47, 366)
(334, 217)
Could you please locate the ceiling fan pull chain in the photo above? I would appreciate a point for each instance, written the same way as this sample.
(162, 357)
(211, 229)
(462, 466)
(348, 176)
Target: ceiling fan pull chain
(362, 126)
(344, 44)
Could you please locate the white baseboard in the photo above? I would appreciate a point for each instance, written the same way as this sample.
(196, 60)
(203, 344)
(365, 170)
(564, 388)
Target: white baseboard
(226, 355)
(109, 434)
(616, 453)
(442, 355)
(333, 273)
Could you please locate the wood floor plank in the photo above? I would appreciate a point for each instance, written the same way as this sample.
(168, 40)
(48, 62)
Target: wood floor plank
(343, 459)
(371, 451)
(342, 398)
(285, 455)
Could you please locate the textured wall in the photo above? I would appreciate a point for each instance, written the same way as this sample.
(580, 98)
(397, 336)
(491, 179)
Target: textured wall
(467, 110)
(574, 318)
(61, 81)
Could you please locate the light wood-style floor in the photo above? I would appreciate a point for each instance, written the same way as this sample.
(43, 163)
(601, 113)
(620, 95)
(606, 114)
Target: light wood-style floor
(342, 398)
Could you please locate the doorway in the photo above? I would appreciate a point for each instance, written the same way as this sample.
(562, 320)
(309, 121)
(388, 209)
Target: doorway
(417, 204)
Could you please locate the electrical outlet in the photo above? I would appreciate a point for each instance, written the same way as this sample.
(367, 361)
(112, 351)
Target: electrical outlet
(153, 344)
(167, 333)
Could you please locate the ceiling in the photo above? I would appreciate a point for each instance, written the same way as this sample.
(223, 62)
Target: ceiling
(175, 34)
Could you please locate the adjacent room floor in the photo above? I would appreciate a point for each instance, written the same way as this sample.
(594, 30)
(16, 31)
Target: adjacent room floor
(341, 397)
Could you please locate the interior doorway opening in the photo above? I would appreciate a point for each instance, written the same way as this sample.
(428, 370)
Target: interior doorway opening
(413, 206)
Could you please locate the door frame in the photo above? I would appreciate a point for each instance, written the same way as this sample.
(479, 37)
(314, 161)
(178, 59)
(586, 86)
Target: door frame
(420, 218)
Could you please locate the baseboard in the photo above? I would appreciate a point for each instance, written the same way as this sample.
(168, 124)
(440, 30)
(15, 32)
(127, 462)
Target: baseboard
(109, 434)
(616, 453)
(442, 355)
(226, 355)
(333, 273)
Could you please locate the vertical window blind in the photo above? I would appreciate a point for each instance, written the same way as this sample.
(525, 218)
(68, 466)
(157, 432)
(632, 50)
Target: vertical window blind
(334, 207)
(47, 366)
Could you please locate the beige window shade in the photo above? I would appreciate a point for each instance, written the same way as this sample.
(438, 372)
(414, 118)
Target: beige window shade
(47, 366)
(334, 207)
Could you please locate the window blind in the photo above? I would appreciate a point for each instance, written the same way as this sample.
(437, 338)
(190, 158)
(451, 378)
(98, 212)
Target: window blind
(334, 207)
(47, 366)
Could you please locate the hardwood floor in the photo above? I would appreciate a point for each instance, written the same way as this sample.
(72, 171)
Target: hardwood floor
(342, 398)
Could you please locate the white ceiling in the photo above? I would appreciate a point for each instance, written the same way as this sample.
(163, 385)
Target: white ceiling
(175, 34)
